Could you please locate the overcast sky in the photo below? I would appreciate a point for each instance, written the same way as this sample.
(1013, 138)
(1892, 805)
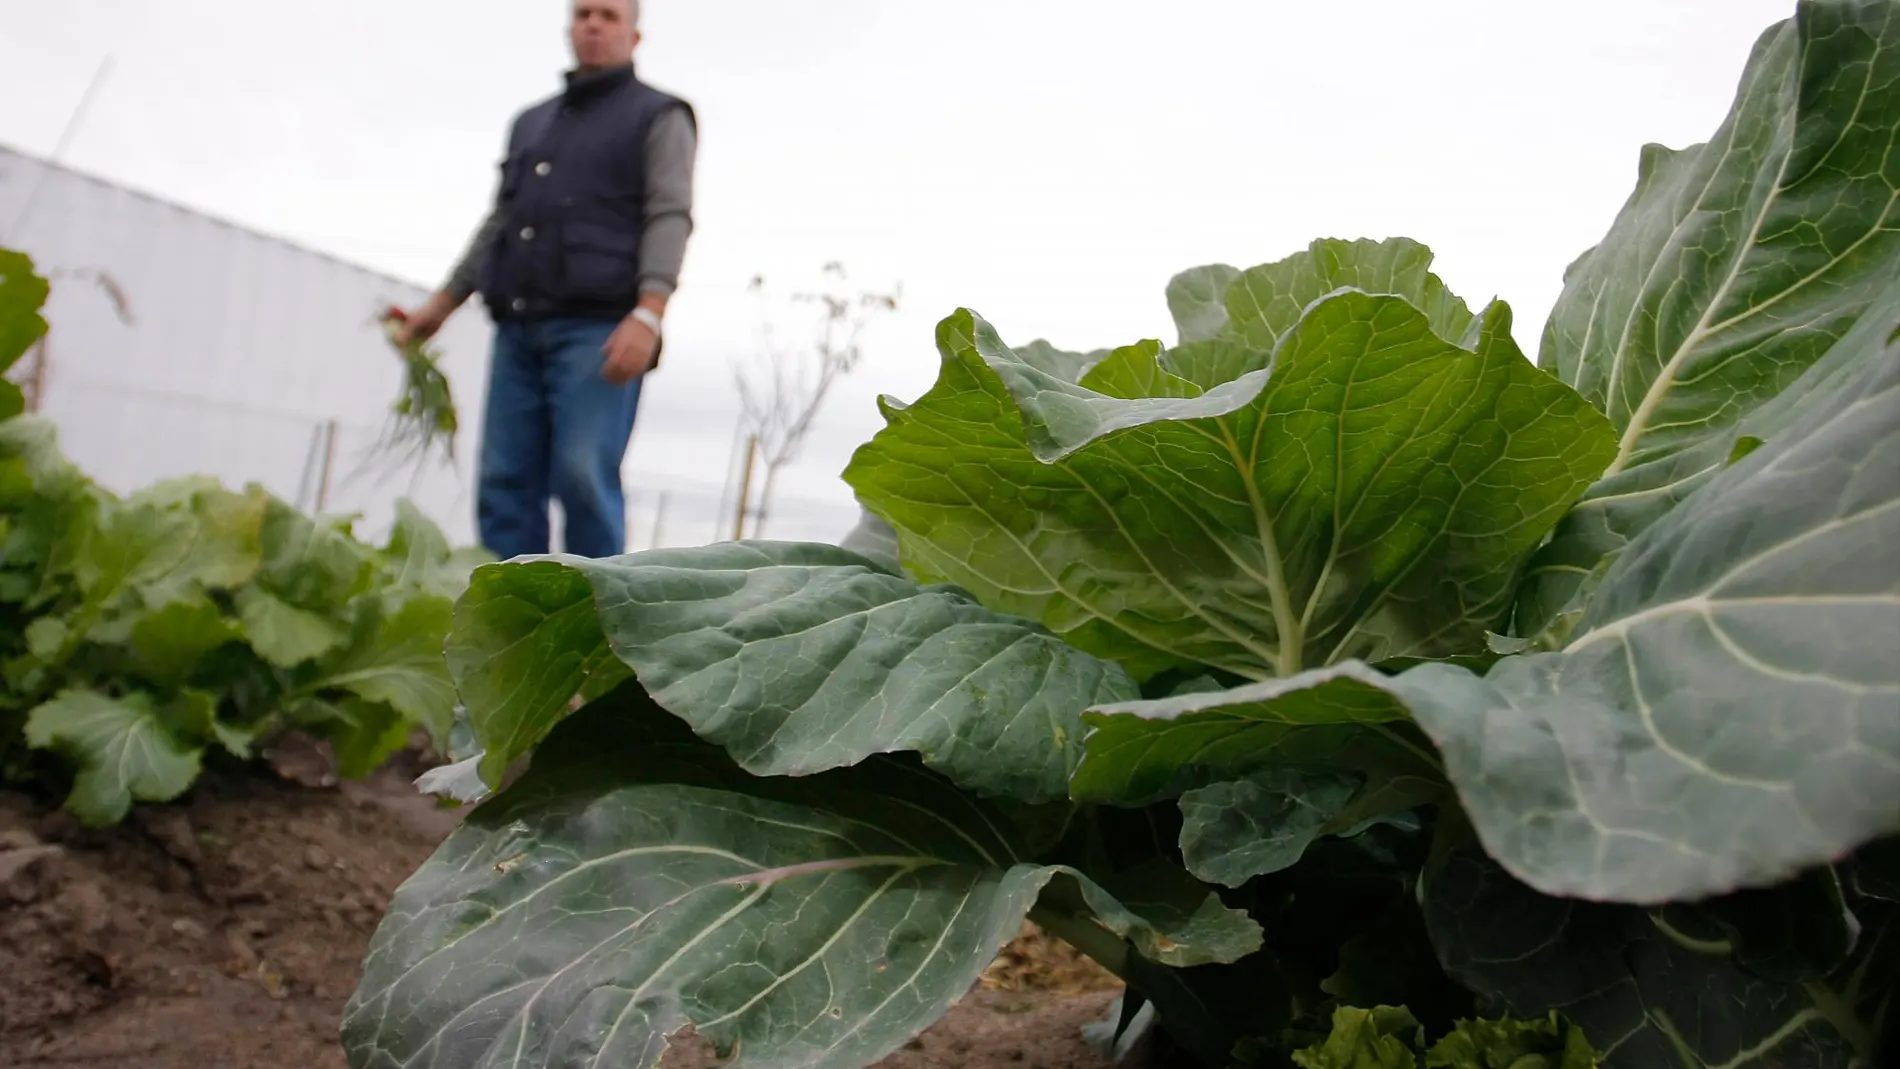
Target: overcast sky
(1048, 163)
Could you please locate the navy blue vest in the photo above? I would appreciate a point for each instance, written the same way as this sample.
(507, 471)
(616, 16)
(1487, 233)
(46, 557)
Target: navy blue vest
(573, 190)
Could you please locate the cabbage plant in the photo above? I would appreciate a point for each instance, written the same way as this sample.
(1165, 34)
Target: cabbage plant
(1358, 690)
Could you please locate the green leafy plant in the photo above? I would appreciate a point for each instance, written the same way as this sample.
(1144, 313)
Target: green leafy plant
(1360, 692)
(1389, 1037)
(22, 293)
(141, 633)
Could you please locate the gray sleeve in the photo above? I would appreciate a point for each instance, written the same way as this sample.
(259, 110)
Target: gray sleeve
(671, 146)
(461, 281)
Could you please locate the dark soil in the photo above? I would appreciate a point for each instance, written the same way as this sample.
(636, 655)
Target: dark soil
(225, 932)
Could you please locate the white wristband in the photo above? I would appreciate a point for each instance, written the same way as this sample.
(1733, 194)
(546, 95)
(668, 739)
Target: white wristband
(647, 316)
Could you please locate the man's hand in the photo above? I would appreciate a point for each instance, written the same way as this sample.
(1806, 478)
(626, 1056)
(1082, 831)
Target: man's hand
(422, 324)
(630, 351)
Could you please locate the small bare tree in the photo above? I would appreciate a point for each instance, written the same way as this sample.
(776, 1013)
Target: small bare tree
(782, 391)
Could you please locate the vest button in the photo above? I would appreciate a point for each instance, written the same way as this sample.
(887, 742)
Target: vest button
(543, 168)
(519, 305)
(527, 233)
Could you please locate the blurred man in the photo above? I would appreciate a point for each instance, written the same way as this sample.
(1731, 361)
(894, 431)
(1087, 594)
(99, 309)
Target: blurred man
(575, 264)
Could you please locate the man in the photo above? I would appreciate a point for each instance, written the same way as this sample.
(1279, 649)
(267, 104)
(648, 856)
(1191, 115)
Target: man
(575, 264)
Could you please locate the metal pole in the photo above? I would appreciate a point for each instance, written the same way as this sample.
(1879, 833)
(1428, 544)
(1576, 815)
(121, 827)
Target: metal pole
(65, 139)
(725, 484)
(329, 457)
(36, 382)
(307, 478)
(659, 521)
(745, 488)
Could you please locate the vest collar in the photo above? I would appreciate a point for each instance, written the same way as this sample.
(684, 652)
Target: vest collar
(584, 86)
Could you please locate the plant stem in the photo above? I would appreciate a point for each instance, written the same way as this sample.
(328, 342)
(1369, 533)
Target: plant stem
(1109, 950)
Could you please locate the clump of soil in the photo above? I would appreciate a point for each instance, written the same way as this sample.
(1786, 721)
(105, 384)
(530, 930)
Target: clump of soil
(225, 932)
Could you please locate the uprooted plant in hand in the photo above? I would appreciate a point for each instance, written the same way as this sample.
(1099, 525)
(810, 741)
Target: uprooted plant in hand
(422, 420)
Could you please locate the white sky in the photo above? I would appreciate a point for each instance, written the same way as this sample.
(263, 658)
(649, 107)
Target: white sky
(1048, 163)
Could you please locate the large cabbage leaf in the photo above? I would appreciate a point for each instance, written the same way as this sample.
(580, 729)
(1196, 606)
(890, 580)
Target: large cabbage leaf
(1711, 311)
(796, 658)
(1344, 717)
(636, 881)
(1330, 478)
(1729, 710)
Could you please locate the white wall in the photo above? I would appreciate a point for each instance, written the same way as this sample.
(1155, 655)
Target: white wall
(239, 347)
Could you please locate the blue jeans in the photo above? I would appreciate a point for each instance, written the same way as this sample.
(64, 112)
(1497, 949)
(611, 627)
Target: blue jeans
(553, 428)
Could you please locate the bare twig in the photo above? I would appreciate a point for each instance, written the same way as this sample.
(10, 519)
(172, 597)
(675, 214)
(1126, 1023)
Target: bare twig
(781, 395)
(108, 285)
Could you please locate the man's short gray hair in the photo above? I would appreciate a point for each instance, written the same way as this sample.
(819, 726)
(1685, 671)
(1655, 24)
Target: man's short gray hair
(633, 10)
